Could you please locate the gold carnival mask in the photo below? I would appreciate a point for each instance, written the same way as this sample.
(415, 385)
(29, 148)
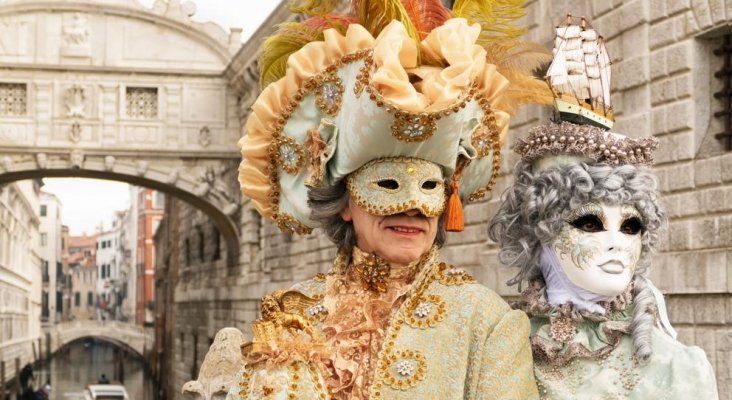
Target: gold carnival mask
(394, 185)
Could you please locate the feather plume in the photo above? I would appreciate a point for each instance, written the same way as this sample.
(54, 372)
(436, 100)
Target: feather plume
(523, 89)
(290, 37)
(338, 22)
(312, 7)
(496, 17)
(426, 15)
(375, 15)
(525, 57)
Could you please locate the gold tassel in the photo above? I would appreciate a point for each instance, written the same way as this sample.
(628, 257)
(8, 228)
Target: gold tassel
(454, 219)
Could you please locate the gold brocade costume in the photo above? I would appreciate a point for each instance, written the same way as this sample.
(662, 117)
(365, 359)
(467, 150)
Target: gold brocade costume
(441, 337)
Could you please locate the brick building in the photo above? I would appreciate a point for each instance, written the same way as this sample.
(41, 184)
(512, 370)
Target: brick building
(149, 206)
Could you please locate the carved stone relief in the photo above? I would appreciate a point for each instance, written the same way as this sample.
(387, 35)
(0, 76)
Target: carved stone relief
(75, 34)
(75, 102)
(142, 167)
(77, 158)
(204, 136)
(75, 132)
(42, 160)
(109, 163)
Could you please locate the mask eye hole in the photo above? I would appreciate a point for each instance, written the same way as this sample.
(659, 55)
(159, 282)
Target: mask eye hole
(588, 223)
(390, 184)
(631, 226)
(430, 184)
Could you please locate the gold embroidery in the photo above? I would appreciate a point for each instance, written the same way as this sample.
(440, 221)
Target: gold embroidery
(319, 277)
(448, 275)
(410, 127)
(287, 223)
(244, 383)
(489, 123)
(309, 85)
(329, 95)
(316, 147)
(373, 272)
(426, 312)
(404, 369)
(294, 372)
(290, 154)
(387, 352)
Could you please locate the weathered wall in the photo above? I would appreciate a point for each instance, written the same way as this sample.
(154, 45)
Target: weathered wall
(663, 85)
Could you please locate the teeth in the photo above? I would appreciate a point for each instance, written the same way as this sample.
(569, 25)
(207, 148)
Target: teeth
(407, 230)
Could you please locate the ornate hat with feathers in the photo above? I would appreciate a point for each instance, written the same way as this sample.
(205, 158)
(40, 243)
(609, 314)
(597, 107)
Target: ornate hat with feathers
(389, 79)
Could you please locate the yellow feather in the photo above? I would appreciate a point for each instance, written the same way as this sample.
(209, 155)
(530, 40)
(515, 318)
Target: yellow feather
(523, 89)
(312, 7)
(496, 17)
(375, 15)
(290, 37)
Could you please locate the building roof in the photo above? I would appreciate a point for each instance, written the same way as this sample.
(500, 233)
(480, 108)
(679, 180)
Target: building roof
(83, 241)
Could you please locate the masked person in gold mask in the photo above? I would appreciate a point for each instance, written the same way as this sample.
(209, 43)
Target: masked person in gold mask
(376, 131)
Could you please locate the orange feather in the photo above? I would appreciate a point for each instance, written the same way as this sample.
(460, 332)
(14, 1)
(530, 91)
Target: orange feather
(426, 15)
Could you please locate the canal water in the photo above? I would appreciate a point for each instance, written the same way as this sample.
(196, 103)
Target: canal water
(83, 362)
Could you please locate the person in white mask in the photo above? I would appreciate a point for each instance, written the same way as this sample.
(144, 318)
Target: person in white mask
(582, 228)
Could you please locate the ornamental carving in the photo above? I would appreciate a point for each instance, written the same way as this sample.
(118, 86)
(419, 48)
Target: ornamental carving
(204, 136)
(75, 102)
(77, 158)
(75, 132)
(75, 35)
(42, 160)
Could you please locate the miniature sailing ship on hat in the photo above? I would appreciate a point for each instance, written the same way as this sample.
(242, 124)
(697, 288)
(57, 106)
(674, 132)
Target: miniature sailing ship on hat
(579, 75)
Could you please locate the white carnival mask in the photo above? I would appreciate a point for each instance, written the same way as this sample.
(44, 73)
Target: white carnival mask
(599, 246)
(390, 186)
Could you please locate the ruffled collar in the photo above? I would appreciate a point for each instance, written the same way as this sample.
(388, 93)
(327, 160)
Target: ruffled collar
(562, 333)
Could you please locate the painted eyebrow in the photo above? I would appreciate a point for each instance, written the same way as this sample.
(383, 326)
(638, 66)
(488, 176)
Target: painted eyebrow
(628, 212)
(587, 209)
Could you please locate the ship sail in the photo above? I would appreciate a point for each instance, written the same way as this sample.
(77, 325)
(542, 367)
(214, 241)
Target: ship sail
(579, 74)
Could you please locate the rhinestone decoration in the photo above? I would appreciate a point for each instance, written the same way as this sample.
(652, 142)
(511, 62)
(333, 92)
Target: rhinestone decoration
(290, 155)
(413, 128)
(329, 95)
(316, 309)
(423, 310)
(374, 273)
(288, 224)
(448, 275)
(482, 139)
(405, 368)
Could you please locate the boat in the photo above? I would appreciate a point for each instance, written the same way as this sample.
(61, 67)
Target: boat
(105, 392)
(579, 75)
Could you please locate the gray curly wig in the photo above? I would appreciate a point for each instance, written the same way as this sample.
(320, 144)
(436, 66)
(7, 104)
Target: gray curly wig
(327, 203)
(535, 207)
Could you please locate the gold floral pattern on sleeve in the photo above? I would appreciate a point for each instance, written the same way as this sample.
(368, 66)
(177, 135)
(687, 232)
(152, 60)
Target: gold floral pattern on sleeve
(403, 370)
(425, 312)
(449, 275)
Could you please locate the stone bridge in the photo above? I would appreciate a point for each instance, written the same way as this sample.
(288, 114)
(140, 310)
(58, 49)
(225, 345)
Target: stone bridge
(92, 102)
(127, 336)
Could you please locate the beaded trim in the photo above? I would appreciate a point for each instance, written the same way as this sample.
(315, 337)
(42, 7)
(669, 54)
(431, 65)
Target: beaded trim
(329, 95)
(387, 355)
(494, 136)
(294, 372)
(319, 386)
(449, 276)
(244, 383)
(588, 141)
(399, 369)
(290, 155)
(286, 222)
(426, 312)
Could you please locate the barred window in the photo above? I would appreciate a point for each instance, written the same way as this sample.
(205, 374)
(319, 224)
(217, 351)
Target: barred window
(13, 99)
(142, 102)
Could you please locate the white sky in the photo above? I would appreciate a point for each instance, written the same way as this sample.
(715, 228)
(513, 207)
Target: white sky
(245, 14)
(87, 202)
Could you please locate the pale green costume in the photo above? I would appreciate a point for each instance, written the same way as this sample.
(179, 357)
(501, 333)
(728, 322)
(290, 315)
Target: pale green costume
(596, 361)
(468, 345)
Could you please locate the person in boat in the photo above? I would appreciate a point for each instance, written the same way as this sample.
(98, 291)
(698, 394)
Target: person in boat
(581, 222)
(362, 137)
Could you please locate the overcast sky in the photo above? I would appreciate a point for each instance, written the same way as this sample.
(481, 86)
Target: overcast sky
(87, 202)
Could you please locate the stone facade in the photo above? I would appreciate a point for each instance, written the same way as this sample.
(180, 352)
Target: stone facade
(54, 279)
(20, 277)
(663, 85)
